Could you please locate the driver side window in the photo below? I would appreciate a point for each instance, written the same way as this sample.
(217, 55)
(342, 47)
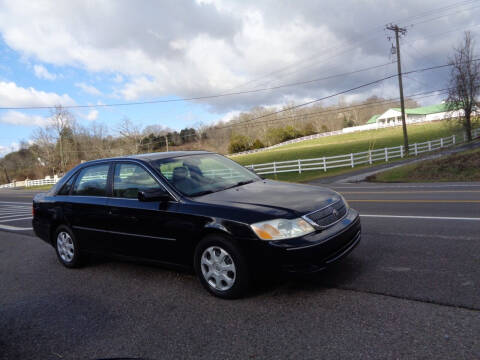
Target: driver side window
(129, 179)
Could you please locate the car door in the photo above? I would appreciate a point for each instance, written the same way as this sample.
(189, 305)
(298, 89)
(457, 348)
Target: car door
(86, 207)
(143, 229)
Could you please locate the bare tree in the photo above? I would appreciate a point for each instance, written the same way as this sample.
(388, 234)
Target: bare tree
(464, 82)
(45, 148)
(61, 120)
(131, 135)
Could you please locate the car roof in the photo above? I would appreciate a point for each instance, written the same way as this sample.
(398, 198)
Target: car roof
(153, 156)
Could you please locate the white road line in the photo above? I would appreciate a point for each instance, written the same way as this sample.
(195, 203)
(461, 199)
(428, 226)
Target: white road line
(24, 218)
(14, 207)
(16, 202)
(21, 213)
(421, 217)
(376, 186)
(14, 215)
(432, 236)
(14, 228)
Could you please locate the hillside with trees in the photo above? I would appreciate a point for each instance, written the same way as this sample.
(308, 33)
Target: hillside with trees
(64, 143)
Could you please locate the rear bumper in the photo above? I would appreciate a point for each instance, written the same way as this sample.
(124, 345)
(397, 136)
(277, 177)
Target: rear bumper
(315, 251)
(42, 230)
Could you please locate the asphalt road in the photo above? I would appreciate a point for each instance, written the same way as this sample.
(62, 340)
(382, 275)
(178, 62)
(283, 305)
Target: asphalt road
(411, 289)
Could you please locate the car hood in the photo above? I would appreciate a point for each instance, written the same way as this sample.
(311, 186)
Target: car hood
(278, 199)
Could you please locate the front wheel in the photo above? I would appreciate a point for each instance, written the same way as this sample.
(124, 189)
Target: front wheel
(221, 267)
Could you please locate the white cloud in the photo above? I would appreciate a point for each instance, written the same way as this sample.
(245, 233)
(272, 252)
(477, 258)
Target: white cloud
(18, 118)
(89, 89)
(12, 95)
(42, 73)
(186, 48)
(4, 150)
(229, 116)
(92, 115)
(118, 78)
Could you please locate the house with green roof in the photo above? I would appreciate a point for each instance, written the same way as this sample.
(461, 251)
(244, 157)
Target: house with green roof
(393, 116)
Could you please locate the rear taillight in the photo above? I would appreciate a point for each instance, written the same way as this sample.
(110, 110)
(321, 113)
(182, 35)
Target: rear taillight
(33, 211)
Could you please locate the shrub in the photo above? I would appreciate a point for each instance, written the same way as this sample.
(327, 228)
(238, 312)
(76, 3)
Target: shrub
(309, 129)
(238, 143)
(257, 144)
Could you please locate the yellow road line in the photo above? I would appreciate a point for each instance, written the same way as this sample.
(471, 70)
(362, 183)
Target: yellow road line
(410, 192)
(413, 201)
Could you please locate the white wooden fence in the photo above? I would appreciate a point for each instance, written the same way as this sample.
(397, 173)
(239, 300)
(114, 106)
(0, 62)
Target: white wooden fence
(28, 183)
(354, 159)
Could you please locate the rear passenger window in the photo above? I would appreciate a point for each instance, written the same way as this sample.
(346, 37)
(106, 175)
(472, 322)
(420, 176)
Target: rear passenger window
(129, 179)
(92, 181)
(67, 186)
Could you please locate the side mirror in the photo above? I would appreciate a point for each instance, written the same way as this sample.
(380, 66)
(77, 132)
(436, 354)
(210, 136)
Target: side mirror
(153, 195)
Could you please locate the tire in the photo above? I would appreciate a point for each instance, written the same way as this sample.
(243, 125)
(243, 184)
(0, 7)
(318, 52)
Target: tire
(67, 247)
(221, 267)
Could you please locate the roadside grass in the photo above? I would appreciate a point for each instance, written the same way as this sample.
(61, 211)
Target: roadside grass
(464, 166)
(317, 174)
(354, 142)
(40, 187)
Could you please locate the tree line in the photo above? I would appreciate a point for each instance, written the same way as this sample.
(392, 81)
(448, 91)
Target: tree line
(64, 143)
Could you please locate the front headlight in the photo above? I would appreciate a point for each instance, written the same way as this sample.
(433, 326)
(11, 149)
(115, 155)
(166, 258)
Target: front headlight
(280, 229)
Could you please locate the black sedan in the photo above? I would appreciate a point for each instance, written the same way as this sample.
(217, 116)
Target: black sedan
(195, 209)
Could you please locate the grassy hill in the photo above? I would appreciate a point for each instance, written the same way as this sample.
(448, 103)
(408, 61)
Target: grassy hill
(464, 166)
(348, 143)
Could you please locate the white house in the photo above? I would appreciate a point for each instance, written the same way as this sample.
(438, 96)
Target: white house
(393, 116)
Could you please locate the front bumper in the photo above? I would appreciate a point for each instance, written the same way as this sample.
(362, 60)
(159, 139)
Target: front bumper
(315, 251)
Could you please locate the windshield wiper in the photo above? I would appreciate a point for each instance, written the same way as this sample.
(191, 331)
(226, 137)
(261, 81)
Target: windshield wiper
(200, 193)
(240, 183)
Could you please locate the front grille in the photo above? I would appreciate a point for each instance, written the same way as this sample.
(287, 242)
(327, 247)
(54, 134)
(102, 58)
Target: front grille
(328, 215)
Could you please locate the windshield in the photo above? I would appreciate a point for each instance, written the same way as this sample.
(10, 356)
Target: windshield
(202, 174)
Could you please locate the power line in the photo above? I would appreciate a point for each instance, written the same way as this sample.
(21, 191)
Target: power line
(212, 96)
(245, 91)
(320, 99)
(350, 107)
(314, 57)
(200, 97)
(352, 89)
(437, 10)
(442, 16)
(303, 116)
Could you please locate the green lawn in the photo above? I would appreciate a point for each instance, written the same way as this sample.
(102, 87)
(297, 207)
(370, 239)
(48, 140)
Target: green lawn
(41, 187)
(463, 166)
(348, 143)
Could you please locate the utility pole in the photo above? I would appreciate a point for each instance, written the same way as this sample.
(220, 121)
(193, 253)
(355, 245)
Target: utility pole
(166, 141)
(402, 31)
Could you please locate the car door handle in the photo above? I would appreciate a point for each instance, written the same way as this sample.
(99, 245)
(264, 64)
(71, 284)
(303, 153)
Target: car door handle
(126, 217)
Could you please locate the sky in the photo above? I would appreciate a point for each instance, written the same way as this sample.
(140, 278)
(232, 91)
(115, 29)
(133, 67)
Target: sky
(93, 53)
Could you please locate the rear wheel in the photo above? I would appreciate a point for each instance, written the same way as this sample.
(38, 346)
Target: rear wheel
(221, 267)
(67, 247)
